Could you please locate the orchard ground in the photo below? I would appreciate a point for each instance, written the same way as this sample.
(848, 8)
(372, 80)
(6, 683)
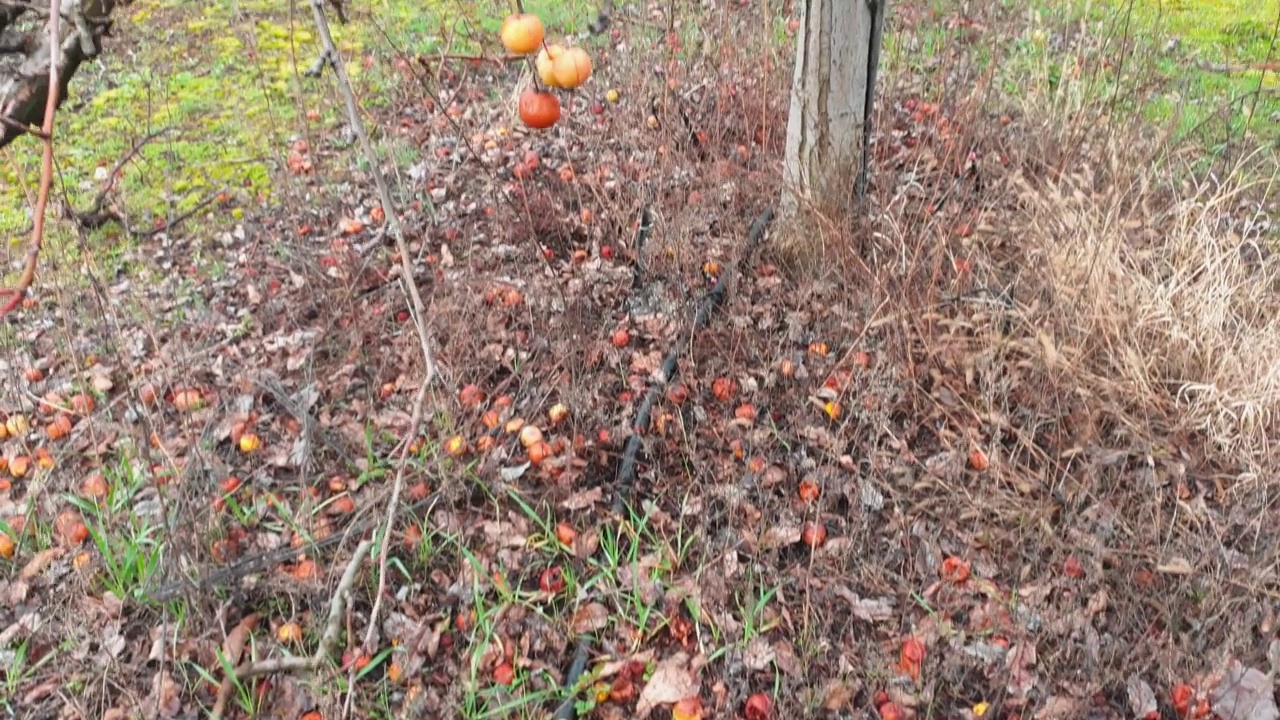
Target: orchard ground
(1027, 404)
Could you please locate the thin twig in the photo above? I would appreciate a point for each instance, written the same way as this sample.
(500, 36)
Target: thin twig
(24, 128)
(93, 216)
(46, 171)
(327, 640)
(419, 309)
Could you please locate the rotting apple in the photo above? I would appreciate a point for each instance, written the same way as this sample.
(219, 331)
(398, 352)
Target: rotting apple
(558, 413)
(250, 442)
(455, 446)
(813, 535)
(551, 580)
(723, 388)
(566, 534)
(539, 452)
(530, 435)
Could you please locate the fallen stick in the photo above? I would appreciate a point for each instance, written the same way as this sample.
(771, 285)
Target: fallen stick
(332, 627)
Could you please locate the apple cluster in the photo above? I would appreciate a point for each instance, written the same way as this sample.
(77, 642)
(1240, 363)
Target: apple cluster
(557, 66)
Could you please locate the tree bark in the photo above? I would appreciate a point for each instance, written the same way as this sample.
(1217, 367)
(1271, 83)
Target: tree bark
(837, 50)
(26, 51)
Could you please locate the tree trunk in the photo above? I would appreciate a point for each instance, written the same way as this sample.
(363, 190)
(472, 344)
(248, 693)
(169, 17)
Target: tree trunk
(837, 51)
(25, 53)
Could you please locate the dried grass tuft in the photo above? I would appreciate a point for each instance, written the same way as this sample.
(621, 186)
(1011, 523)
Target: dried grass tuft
(1161, 295)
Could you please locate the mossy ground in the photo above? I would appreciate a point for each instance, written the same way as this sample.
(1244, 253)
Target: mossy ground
(225, 81)
(1205, 71)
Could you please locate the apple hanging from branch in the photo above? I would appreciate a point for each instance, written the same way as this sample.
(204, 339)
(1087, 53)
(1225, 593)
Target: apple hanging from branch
(555, 66)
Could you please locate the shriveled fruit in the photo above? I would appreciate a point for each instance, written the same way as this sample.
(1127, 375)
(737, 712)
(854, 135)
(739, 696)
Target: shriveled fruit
(71, 527)
(539, 109)
(911, 657)
(978, 460)
(290, 632)
(471, 396)
(455, 446)
(558, 413)
(813, 534)
(565, 533)
(1181, 696)
(890, 711)
(539, 452)
(250, 442)
(545, 63)
(723, 389)
(678, 393)
(572, 68)
(94, 486)
(808, 491)
(82, 404)
(59, 428)
(356, 659)
(689, 708)
(187, 400)
(787, 368)
(833, 409)
(758, 707)
(955, 570)
(52, 402)
(342, 505)
(522, 33)
(19, 465)
(34, 374)
(306, 569)
(551, 580)
(17, 425)
(147, 394)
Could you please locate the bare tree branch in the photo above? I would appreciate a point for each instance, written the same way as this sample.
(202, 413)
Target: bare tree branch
(24, 78)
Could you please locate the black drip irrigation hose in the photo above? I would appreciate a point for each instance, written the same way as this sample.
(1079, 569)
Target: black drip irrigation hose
(627, 468)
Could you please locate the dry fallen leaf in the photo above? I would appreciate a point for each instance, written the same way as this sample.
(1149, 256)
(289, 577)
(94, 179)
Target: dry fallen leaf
(590, 618)
(166, 697)
(1142, 699)
(584, 499)
(1245, 694)
(671, 682)
(869, 609)
(1059, 707)
(758, 654)
(1175, 566)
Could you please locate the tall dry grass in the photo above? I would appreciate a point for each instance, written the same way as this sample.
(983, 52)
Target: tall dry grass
(1161, 294)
